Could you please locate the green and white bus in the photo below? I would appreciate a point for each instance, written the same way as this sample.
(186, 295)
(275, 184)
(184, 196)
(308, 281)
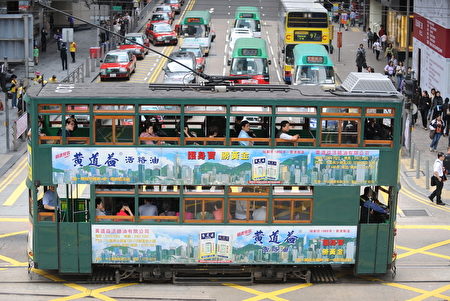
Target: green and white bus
(250, 57)
(248, 17)
(313, 66)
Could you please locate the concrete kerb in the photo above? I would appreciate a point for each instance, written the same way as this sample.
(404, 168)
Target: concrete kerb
(16, 157)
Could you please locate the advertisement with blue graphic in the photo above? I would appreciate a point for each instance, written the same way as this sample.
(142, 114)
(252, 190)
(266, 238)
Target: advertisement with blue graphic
(214, 166)
(223, 244)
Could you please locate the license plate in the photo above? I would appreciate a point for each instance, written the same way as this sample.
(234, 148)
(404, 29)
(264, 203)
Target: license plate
(112, 75)
(249, 81)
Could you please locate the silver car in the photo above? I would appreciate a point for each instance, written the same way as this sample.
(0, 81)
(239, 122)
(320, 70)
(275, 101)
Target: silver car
(175, 73)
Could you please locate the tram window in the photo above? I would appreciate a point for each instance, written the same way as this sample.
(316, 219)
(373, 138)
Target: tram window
(256, 132)
(120, 207)
(292, 210)
(111, 129)
(293, 190)
(77, 108)
(338, 131)
(113, 108)
(378, 132)
(249, 110)
(349, 111)
(296, 110)
(155, 189)
(51, 124)
(215, 189)
(248, 210)
(114, 189)
(250, 190)
(80, 133)
(49, 108)
(149, 109)
(305, 127)
(205, 109)
(203, 210)
(388, 112)
(374, 204)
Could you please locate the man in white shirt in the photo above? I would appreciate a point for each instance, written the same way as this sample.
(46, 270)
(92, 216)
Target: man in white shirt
(244, 133)
(285, 126)
(438, 178)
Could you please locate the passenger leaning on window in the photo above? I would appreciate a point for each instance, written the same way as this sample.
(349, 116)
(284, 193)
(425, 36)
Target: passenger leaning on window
(69, 128)
(245, 133)
(285, 127)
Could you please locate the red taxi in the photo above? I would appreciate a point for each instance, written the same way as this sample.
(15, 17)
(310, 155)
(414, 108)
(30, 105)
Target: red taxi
(118, 64)
(159, 18)
(175, 4)
(130, 44)
(161, 33)
(165, 9)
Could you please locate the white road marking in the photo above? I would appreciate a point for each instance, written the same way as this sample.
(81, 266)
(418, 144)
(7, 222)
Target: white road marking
(271, 51)
(145, 78)
(268, 38)
(279, 76)
(224, 70)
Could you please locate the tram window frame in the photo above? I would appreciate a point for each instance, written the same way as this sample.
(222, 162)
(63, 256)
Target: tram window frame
(80, 124)
(295, 110)
(109, 202)
(259, 123)
(340, 132)
(249, 209)
(250, 190)
(380, 141)
(159, 202)
(299, 124)
(148, 189)
(386, 112)
(114, 108)
(113, 129)
(151, 109)
(203, 219)
(51, 137)
(294, 190)
(292, 210)
(340, 111)
(207, 109)
(204, 130)
(49, 108)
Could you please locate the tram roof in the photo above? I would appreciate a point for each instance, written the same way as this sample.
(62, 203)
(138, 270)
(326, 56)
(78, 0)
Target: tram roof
(134, 91)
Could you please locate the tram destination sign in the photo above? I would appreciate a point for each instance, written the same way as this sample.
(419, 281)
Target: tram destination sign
(214, 166)
(224, 244)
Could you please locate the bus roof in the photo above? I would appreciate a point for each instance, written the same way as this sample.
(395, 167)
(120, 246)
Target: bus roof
(241, 10)
(296, 6)
(202, 17)
(302, 50)
(250, 43)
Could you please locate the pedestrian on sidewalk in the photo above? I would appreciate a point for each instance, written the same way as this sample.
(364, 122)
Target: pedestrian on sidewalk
(374, 39)
(369, 38)
(13, 90)
(21, 107)
(72, 50)
(377, 48)
(71, 21)
(446, 162)
(43, 40)
(63, 53)
(388, 52)
(424, 108)
(438, 126)
(58, 38)
(36, 55)
(361, 58)
(52, 80)
(399, 73)
(438, 179)
(352, 18)
(389, 69)
(437, 104)
(446, 115)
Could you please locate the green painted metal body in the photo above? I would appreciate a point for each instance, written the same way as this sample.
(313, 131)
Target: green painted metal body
(302, 51)
(66, 245)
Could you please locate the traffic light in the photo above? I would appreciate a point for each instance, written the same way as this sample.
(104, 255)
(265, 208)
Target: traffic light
(410, 87)
(5, 81)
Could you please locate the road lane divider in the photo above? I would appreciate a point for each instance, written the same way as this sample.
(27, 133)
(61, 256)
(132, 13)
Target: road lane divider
(13, 197)
(13, 174)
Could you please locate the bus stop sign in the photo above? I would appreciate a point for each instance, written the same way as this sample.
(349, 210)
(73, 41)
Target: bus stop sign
(339, 39)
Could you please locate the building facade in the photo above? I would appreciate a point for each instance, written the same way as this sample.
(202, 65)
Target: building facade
(431, 40)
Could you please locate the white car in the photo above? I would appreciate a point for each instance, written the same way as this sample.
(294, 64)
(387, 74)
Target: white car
(237, 33)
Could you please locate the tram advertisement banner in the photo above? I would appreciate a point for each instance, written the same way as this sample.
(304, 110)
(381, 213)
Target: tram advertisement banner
(223, 244)
(214, 166)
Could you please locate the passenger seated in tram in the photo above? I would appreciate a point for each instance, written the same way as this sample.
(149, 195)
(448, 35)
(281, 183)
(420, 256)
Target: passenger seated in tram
(372, 211)
(70, 125)
(213, 132)
(218, 211)
(260, 214)
(149, 131)
(166, 209)
(99, 207)
(40, 127)
(282, 133)
(206, 215)
(246, 133)
(148, 209)
(373, 130)
(124, 211)
(50, 199)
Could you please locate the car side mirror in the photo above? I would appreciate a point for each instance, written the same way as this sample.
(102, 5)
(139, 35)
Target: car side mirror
(269, 62)
(229, 62)
(101, 61)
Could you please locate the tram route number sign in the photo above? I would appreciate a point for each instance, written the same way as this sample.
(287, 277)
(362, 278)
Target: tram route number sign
(307, 36)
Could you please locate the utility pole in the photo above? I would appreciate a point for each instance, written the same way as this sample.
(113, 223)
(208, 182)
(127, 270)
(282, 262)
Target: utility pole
(408, 35)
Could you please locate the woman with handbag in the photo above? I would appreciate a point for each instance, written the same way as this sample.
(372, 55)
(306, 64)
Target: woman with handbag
(437, 125)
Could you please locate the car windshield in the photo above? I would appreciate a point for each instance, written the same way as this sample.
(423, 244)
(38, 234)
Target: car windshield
(175, 67)
(164, 9)
(159, 17)
(162, 28)
(314, 75)
(171, 1)
(194, 50)
(134, 40)
(249, 66)
(247, 23)
(116, 58)
(193, 30)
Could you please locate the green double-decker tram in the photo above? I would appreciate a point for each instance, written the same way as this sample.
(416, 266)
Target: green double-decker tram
(161, 183)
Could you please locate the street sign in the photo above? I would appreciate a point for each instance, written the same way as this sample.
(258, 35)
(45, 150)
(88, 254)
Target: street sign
(67, 35)
(117, 8)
